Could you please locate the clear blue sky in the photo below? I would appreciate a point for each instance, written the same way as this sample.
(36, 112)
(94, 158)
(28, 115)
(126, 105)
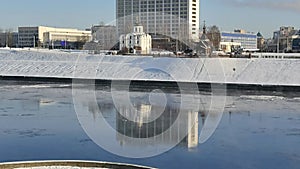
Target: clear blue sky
(252, 15)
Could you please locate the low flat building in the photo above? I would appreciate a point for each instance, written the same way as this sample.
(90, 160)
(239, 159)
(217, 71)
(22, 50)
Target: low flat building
(66, 38)
(41, 36)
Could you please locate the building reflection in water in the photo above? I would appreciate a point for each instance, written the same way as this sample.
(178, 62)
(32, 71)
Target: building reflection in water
(187, 124)
(185, 131)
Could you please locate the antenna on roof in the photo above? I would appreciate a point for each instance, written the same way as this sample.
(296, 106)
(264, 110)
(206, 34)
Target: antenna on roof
(204, 28)
(137, 21)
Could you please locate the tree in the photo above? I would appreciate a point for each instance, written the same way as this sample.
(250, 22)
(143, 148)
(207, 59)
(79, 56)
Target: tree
(9, 37)
(2, 38)
(81, 41)
(102, 23)
(214, 35)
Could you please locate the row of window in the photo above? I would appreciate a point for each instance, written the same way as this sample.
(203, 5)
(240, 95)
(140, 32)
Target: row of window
(175, 16)
(239, 39)
(121, 10)
(167, 31)
(27, 32)
(28, 35)
(243, 42)
(127, 3)
(160, 17)
(152, 3)
(26, 39)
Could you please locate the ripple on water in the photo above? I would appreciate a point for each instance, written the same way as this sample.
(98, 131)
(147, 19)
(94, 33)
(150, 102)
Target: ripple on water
(28, 133)
(64, 103)
(26, 115)
(293, 132)
(85, 140)
(18, 99)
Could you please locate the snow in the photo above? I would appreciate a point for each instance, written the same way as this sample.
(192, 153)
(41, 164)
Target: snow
(60, 167)
(261, 97)
(62, 64)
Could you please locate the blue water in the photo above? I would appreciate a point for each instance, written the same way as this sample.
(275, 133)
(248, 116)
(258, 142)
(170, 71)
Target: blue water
(39, 122)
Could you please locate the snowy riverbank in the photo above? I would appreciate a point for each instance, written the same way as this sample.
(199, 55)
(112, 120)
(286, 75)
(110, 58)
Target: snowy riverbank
(57, 64)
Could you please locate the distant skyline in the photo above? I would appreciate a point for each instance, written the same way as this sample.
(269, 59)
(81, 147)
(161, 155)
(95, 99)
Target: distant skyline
(265, 16)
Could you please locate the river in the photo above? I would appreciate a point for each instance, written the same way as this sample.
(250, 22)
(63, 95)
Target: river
(159, 128)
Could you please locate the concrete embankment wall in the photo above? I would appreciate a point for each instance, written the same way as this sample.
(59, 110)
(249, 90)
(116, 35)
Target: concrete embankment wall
(266, 72)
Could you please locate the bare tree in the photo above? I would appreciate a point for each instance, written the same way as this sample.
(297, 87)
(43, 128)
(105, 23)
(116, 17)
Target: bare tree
(9, 37)
(2, 38)
(81, 41)
(101, 23)
(214, 35)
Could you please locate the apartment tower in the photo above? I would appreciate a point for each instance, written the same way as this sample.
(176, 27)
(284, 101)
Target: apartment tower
(174, 18)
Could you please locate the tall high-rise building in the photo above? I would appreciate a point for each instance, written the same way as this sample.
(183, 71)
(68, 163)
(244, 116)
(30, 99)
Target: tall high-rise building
(175, 18)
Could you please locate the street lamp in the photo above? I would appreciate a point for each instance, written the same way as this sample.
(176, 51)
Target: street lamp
(33, 41)
(287, 43)
(66, 42)
(6, 36)
(277, 44)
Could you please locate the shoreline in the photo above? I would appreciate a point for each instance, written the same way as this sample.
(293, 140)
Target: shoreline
(157, 84)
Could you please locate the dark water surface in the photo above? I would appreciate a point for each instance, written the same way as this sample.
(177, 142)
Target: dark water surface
(39, 122)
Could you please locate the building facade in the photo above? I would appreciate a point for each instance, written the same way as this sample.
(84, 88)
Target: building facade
(29, 36)
(179, 19)
(296, 42)
(41, 36)
(260, 42)
(248, 40)
(230, 47)
(283, 39)
(3, 39)
(136, 42)
(105, 36)
(9, 39)
(66, 38)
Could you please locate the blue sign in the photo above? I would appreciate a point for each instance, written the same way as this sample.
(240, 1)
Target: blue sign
(63, 43)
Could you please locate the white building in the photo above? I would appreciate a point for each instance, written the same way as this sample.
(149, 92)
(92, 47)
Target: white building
(248, 40)
(229, 47)
(48, 36)
(136, 42)
(174, 18)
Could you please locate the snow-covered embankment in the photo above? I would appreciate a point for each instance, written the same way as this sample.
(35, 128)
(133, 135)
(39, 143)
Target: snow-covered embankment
(277, 72)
